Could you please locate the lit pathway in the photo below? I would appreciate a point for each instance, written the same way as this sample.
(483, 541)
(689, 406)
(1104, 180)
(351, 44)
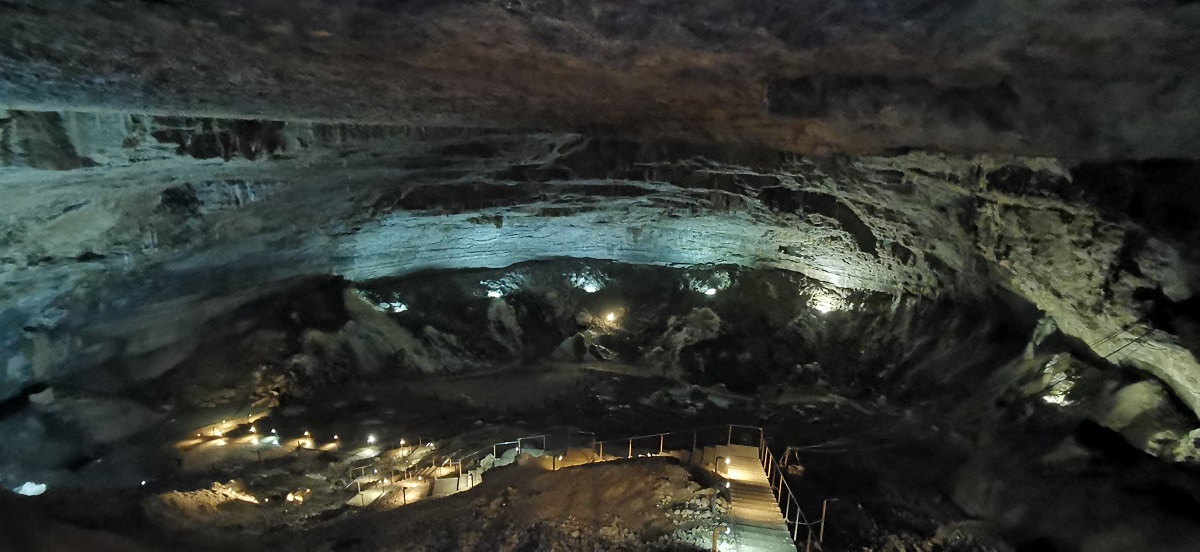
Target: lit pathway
(757, 522)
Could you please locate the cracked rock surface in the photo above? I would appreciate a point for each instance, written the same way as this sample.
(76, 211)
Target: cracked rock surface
(116, 224)
(1103, 80)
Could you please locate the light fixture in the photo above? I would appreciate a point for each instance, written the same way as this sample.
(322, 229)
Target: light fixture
(402, 442)
(143, 483)
(306, 434)
(560, 457)
(726, 484)
(710, 291)
(253, 429)
(494, 294)
(727, 461)
(370, 439)
(273, 432)
(591, 288)
(335, 437)
(610, 317)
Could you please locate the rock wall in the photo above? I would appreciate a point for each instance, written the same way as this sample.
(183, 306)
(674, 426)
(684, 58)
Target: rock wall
(1109, 80)
(127, 259)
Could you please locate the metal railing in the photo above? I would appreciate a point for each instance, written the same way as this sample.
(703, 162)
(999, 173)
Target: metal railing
(462, 463)
(681, 439)
(647, 445)
(785, 497)
(786, 500)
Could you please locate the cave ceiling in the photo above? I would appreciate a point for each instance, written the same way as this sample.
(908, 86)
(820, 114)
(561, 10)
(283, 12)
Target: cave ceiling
(162, 157)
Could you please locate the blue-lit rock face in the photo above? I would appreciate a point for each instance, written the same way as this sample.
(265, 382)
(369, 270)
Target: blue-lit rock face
(130, 238)
(156, 233)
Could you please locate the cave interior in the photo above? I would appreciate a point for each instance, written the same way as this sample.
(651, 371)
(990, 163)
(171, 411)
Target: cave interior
(939, 256)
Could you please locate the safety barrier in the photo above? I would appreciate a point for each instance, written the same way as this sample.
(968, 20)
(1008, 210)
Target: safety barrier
(647, 445)
(786, 500)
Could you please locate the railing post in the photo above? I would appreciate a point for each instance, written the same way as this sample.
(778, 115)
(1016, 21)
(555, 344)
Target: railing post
(824, 506)
(729, 439)
(661, 440)
(693, 440)
(601, 451)
(630, 448)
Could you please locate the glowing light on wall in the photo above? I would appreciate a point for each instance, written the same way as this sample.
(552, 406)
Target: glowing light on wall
(394, 306)
(825, 302)
(29, 488)
(709, 283)
(1058, 383)
(588, 281)
(504, 285)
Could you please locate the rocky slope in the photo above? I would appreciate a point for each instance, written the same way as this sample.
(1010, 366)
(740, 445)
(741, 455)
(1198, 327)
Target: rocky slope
(128, 238)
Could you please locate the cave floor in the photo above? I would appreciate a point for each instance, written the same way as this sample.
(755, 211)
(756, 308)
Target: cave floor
(896, 503)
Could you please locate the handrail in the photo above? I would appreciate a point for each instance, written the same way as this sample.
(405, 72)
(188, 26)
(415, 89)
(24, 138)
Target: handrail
(447, 459)
(775, 475)
(771, 465)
